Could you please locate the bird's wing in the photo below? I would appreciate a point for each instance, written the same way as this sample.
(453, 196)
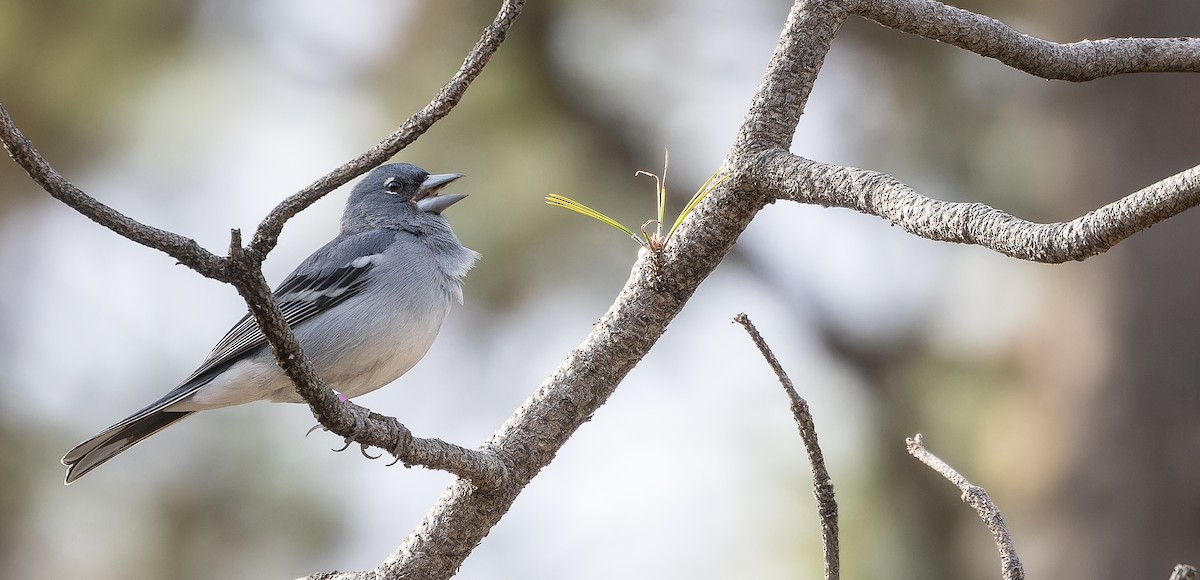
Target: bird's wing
(325, 279)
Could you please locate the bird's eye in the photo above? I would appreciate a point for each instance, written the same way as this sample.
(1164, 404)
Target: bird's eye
(392, 185)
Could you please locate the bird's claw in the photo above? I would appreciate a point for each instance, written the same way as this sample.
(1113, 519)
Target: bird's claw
(359, 426)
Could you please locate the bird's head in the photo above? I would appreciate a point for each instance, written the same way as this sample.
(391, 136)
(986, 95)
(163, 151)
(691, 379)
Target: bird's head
(401, 192)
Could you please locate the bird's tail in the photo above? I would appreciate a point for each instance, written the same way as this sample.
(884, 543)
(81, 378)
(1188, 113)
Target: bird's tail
(95, 451)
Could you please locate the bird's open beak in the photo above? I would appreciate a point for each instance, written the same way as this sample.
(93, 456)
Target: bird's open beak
(428, 198)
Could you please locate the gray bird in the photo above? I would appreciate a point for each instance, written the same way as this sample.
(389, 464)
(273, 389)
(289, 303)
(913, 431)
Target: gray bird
(365, 307)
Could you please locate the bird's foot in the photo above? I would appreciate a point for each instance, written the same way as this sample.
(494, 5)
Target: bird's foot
(360, 425)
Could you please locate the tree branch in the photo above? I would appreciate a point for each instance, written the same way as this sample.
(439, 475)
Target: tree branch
(1078, 61)
(186, 250)
(822, 483)
(976, 497)
(784, 176)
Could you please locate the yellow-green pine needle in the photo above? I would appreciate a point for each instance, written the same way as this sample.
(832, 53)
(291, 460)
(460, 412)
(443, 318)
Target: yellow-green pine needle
(660, 197)
(704, 190)
(568, 203)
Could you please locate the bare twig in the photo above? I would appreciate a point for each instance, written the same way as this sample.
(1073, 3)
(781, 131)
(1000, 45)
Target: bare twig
(976, 497)
(1183, 572)
(1078, 61)
(822, 483)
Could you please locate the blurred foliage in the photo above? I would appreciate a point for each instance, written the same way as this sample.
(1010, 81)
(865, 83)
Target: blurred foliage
(68, 67)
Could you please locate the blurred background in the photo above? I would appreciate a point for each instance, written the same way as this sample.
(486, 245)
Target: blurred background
(1067, 391)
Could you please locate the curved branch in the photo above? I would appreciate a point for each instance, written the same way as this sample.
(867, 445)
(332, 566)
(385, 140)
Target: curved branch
(976, 497)
(1078, 61)
(186, 250)
(785, 176)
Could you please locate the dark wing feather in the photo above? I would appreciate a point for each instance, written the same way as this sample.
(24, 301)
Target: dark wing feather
(308, 291)
(330, 276)
(333, 274)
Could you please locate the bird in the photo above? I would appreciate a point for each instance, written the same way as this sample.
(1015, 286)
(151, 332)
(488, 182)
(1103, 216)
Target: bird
(365, 307)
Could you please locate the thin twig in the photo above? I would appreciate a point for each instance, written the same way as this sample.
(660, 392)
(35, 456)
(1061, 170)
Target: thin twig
(976, 497)
(822, 483)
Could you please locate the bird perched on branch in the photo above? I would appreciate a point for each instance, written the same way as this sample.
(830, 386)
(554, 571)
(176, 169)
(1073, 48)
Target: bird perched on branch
(365, 308)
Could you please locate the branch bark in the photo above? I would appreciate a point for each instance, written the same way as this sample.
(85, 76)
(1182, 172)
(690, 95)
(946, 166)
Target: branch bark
(822, 483)
(976, 497)
(784, 176)
(1078, 61)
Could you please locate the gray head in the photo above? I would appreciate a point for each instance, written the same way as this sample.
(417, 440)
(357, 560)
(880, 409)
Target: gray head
(398, 196)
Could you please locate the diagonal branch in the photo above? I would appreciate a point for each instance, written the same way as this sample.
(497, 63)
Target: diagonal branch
(785, 176)
(976, 497)
(822, 483)
(1078, 61)
(186, 250)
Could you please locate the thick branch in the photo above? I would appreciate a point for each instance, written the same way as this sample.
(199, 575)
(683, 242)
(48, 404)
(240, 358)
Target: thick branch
(784, 90)
(1078, 61)
(822, 483)
(785, 176)
(976, 497)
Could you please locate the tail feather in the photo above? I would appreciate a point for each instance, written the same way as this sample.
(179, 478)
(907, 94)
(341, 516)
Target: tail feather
(95, 451)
